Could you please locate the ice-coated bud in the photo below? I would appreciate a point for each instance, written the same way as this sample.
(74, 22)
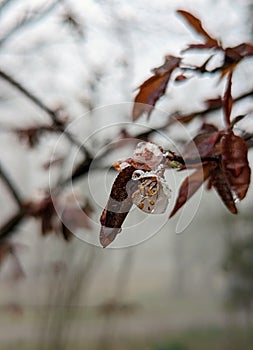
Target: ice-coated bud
(148, 153)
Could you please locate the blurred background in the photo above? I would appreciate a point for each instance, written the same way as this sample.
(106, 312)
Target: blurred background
(78, 63)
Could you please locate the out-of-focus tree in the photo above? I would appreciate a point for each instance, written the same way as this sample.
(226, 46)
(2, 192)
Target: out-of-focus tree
(238, 266)
(217, 155)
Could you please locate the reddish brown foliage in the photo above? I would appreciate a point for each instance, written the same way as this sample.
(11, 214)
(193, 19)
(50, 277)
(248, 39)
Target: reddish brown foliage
(196, 24)
(235, 163)
(191, 184)
(153, 88)
(213, 103)
(118, 206)
(228, 100)
(236, 53)
(202, 144)
(181, 77)
(221, 185)
(217, 156)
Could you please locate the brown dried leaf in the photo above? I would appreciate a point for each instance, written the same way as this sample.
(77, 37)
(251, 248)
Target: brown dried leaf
(227, 69)
(205, 46)
(47, 214)
(29, 135)
(184, 119)
(233, 55)
(228, 100)
(213, 103)
(181, 77)
(219, 181)
(235, 163)
(203, 144)
(43, 210)
(153, 88)
(244, 49)
(118, 206)
(191, 184)
(236, 53)
(196, 24)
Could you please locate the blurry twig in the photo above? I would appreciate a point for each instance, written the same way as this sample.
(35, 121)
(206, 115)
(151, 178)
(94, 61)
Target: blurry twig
(29, 17)
(54, 115)
(9, 227)
(31, 96)
(4, 3)
(11, 186)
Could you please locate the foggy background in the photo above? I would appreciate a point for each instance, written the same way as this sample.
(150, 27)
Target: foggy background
(170, 289)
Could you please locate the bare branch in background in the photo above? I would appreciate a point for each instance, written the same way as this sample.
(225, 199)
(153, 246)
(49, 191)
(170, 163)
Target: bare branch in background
(213, 105)
(11, 186)
(54, 115)
(5, 3)
(9, 227)
(29, 17)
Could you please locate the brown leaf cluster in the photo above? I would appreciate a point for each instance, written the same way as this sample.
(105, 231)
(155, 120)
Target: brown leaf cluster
(227, 169)
(155, 87)
(217, 157)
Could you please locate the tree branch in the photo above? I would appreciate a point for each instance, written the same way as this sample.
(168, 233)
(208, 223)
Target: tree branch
(9, 227)
(12, 188)
(212, 108)
(50, 112)
(28, 18)
(4, 3)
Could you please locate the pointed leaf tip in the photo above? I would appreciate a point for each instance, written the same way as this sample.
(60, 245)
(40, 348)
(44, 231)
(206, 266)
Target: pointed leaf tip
(154, 87)
(196, 24)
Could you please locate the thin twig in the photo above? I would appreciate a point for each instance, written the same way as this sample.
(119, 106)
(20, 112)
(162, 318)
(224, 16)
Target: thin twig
(11, 186)
(218, 106)
(30, 95)
(4, 3)
(9, 227)
(28, 18)
(52, 113)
